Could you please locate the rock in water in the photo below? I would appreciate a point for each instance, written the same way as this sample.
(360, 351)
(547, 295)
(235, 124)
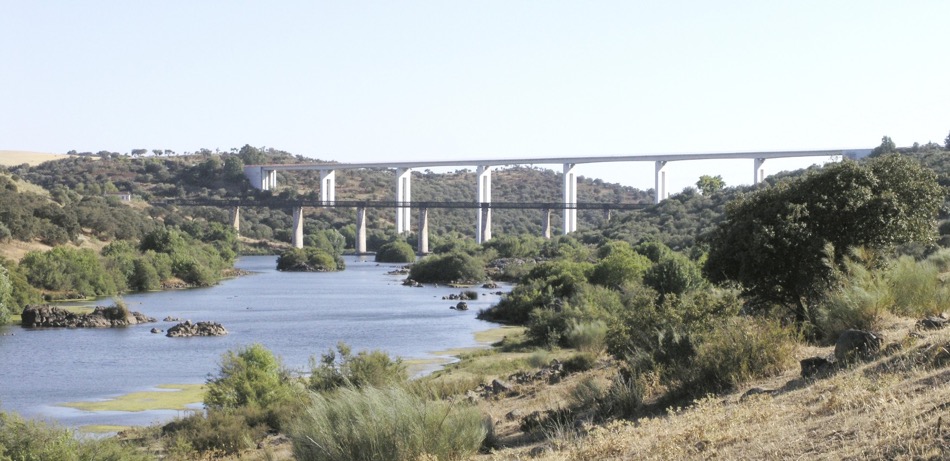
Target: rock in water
(100, 317)
(187, 329)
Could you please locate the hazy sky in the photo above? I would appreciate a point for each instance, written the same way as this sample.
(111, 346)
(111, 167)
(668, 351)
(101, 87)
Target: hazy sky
(373, 81)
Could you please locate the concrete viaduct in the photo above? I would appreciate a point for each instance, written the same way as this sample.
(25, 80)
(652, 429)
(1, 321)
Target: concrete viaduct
(264, 177)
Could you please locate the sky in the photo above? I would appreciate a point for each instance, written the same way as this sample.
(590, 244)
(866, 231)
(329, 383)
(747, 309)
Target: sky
(372, 81)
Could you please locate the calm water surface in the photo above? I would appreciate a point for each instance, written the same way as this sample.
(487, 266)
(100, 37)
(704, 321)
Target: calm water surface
(295, 315)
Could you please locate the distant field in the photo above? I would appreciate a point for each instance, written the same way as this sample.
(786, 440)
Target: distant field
(17, 157)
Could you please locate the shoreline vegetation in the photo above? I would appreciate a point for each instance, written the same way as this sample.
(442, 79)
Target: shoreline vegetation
(184, 397)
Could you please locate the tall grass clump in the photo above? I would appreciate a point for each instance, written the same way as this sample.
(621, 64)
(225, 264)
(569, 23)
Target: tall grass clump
(916, 286)
(740, 349)
(385, 424)
(587, 336)
(860, 301)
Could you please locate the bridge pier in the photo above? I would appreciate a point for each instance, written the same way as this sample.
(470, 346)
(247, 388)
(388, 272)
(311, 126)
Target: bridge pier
(236, 219)
(759, 171)
(361, 230)
(661, 192)
(328, 186)
(403, 196)
(483, 217)
(546, 223)
(423, 231)
(606, 216)
(298, 227)
(570, 198)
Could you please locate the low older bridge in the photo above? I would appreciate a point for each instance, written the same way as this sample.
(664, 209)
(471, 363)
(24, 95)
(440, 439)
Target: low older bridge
(264, 177)
(423, 207)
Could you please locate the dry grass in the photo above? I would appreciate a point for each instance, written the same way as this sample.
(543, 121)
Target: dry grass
(894, 408)
(17, 157)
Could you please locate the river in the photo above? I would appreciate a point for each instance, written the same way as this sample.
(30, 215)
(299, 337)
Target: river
(295, 315)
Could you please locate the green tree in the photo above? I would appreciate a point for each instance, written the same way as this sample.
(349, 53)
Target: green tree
(781, 243)
(887, 147)
(710, 184)
(946, 142)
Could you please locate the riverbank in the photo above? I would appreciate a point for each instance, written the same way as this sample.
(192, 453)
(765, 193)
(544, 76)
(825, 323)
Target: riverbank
(189, 397)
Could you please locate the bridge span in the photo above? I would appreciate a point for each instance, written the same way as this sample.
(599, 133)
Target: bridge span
(264, 177)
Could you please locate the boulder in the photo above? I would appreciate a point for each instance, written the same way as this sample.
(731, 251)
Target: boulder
(188, 329)
(498, 387)
(156, 331)
(461, 306)
(816, 366)
(857, 345)
(933, 322)
(490, 285)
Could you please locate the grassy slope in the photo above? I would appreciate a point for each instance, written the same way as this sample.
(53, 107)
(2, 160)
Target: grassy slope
(16, 157)
(886, 409)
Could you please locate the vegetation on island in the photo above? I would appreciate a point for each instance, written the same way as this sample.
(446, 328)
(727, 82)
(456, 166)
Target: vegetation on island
(397, 251)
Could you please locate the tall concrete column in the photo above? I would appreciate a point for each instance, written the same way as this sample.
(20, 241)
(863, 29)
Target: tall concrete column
(546, 223)
(403, 196)
(361, 230)
(483, 228)
(570, 199)
(661, 192)
(236, 219)
(327, 186)
(423, 231)
(270, 179)
(759, 171)
(606, 216)
(298, 227)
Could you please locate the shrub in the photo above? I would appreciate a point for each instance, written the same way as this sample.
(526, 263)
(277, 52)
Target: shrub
(342, 368)
(674, 274)
(252, 378)
(619, 267)
(226, 431)
(448, 268)
(395, 252)
(917, 288)
(34, 440)
(860, 301)
(385, 424)
(624, 397)
(309, 259)
(740, 349)
(587, 336)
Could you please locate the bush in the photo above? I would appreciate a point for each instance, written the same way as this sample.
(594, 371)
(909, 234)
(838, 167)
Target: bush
(395, 252)
(342, 368)
(448, 268)
(738, 350)
(309, 259)
(917, 288)
(33, 440)
(587, 336)
(860, 301)
(385, 424)
(226, 431)
(252, 378)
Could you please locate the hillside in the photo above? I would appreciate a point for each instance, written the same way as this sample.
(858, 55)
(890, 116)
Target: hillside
(17, 157)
